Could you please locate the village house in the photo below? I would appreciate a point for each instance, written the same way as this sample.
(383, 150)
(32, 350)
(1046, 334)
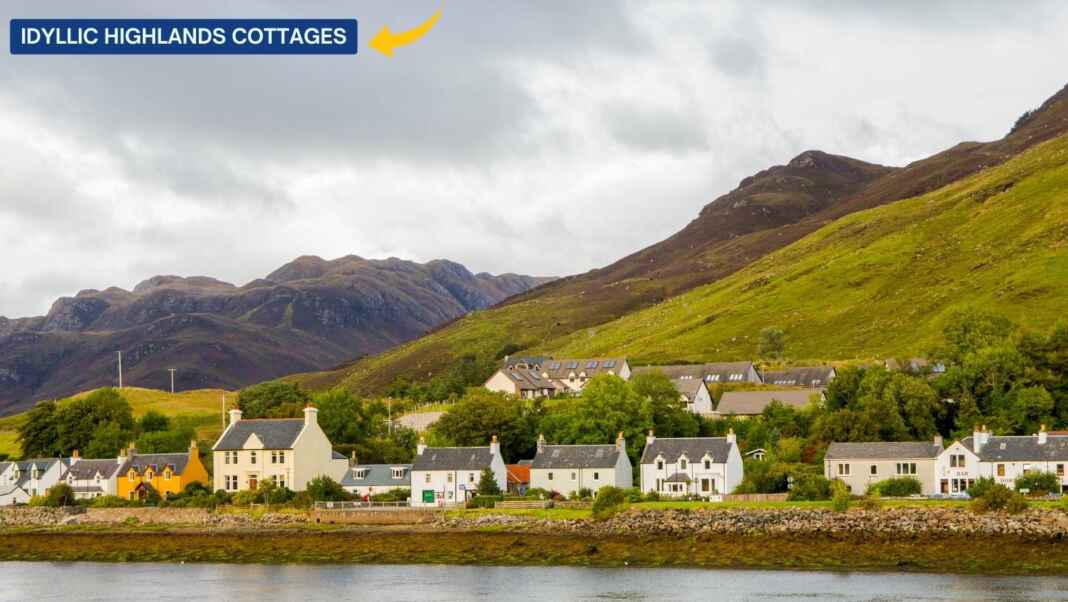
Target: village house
(697, 466)
(694, 394)
(746, 404)
(808, 376)
(139, 475)
(25, 479)
(446, 476)
(713, 373)
(1002, 458)
(566, 469)
(92, 478)
(366, 480)
(288, 451)
(858, 465)
(542, 377)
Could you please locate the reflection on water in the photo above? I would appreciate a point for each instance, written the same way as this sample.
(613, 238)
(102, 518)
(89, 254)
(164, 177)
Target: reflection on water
(242, 583)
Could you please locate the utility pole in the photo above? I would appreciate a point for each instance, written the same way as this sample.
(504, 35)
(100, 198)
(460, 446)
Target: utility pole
(120, 369)
(171, 370)
(224, 411)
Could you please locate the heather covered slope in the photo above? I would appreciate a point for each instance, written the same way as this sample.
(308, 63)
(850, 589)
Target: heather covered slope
(879, 282)
(765, 213)
(310, 314)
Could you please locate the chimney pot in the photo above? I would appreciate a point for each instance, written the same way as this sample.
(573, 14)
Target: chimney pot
(235, 415)
(311, 415)
(421, 446)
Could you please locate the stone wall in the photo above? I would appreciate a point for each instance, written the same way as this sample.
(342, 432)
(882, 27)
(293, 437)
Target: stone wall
(411, 516)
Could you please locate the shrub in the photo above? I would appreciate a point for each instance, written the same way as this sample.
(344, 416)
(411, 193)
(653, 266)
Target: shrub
(1038, 483)
(872, 502)
(1000, 498)
(810, 487)
(981, 486)
(608, 500)
(325, 489)
(59, 495)
(839, 496)
(897, 487)
(109, 501)
(652, 496)
(634, 495)
(37, 500)
(484, 501)
(584, 493)
(537, 492)
(393, 495)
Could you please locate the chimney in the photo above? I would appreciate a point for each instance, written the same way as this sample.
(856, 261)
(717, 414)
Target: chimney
(122, 457)
(235, 415)
(192, 445)
(978, 438)
(352, 461)
(421, 447)
(133, 449)
(621, 443)
(495, 446)
(74, 455)
(1042, 435)
(650, 438)
(731, 437)
(311, 415)
(938, 440)
(541, 443)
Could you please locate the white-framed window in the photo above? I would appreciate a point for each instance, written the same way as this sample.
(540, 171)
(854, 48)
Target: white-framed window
(956, 461)
(660, 465)
(843, 469)
(574, 476)
(252, 456)
(398, 473)
(874, 469)
(682, 463)
(427, 478)
(448, 478)
(550, 475)
(470, 477)
(708, 464)
(1001, 470)
(906, 468)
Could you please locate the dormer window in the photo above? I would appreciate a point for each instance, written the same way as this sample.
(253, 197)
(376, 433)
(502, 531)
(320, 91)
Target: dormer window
(167, 475)
(148, 474)
(659, 464)
(682, 463)
(398, 473)
(360, 473)
(708, 464)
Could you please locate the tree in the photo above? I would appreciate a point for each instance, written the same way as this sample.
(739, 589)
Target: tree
(325, 489)
(967, 331)
(38, 435)
(487, 483)
(80, 419)
(59, 495)
(272, 399)
(175, 439)
(670, 417)
(154, 421)
(481, 414)
(344, 418)
(107, 441)
(772, 343)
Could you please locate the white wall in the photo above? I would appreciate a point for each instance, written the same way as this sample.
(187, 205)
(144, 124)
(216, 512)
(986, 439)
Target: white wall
(500, 383)
(723, 477)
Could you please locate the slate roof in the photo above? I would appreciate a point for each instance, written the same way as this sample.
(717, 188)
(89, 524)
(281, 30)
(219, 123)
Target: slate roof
(561, 369)
(378, 475)
(337, 455)
(715, 372)
(883, 450)
(1024, 448)
(808, 376)
(84, 470)
(678, 477)
(751, 403)
(576, 456)
(156, 461)
(274, 433)
(453, 458)
(688, 387)
(695, 448)
(524, 360)
(528, 380)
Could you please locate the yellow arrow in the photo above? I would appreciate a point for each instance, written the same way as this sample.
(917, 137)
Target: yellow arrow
(385, 40)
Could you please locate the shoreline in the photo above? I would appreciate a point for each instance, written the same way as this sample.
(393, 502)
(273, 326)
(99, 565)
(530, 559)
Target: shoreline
(1008, 555)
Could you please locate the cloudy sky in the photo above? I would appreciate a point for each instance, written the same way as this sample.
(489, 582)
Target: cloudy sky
(542, 137)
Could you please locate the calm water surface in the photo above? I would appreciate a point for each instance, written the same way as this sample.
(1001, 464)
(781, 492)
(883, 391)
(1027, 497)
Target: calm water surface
(85, 581)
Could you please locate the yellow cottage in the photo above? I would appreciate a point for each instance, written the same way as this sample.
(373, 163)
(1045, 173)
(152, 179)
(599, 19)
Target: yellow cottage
(141, 474)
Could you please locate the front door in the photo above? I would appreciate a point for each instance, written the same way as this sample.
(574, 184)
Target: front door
(253, 483)
(945, 486)
(706, 486)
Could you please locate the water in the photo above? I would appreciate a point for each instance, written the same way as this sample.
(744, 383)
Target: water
(158, 582)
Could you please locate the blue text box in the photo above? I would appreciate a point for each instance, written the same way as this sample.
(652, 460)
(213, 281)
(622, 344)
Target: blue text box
(183, 36)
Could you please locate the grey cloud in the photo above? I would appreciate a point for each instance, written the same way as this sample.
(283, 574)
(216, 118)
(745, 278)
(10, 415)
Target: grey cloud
(738, 57)
(655, 129)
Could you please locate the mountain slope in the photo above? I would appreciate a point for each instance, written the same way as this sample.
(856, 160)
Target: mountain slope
(878, 283)
(309, 314)
(767, 212)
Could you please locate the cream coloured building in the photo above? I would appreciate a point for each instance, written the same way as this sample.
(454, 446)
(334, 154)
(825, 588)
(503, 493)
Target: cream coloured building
(858, 465)
(289, 452)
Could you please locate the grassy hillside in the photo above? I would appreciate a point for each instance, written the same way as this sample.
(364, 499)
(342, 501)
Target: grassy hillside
(878, 282)
(203, 404)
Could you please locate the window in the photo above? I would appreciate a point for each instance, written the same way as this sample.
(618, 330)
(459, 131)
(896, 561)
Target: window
(470, 477)
(660, 465)
(843, 469)
(427, 478)
(708, 464)
(1001, 470)
(252, 456)
(231, 482)
(591, 364)
(448, 478)
(398, 473)
(596, 476)
(609, 364)
(166, 475)
(226, 457)
(906, 468)
(550, 476)
(573, 476)
(682, 463)
(274, 457)
(1060, 470)
(956, 461)
(874, 469)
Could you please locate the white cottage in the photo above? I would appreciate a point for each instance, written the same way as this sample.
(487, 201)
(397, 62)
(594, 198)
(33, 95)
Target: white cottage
(861, 464)
(289, 452)
(566, 469)
(1003, 458)
(542, 376)
(24, 479)
(694, 394)
(366, 480)
(444, 476)
(702, 466)
(93, 478)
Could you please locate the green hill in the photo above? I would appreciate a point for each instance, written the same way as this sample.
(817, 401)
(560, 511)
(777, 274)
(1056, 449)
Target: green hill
(879, 282)
(203, 404)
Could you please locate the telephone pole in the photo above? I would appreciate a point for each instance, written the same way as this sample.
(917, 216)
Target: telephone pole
(171, 370)
(224, 411)
(120, 369)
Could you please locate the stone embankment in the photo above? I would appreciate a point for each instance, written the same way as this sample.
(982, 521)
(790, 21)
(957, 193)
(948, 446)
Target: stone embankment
(198, 517)
(889, 522)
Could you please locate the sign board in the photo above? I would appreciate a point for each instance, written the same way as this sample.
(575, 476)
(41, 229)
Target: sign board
(428, 496)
